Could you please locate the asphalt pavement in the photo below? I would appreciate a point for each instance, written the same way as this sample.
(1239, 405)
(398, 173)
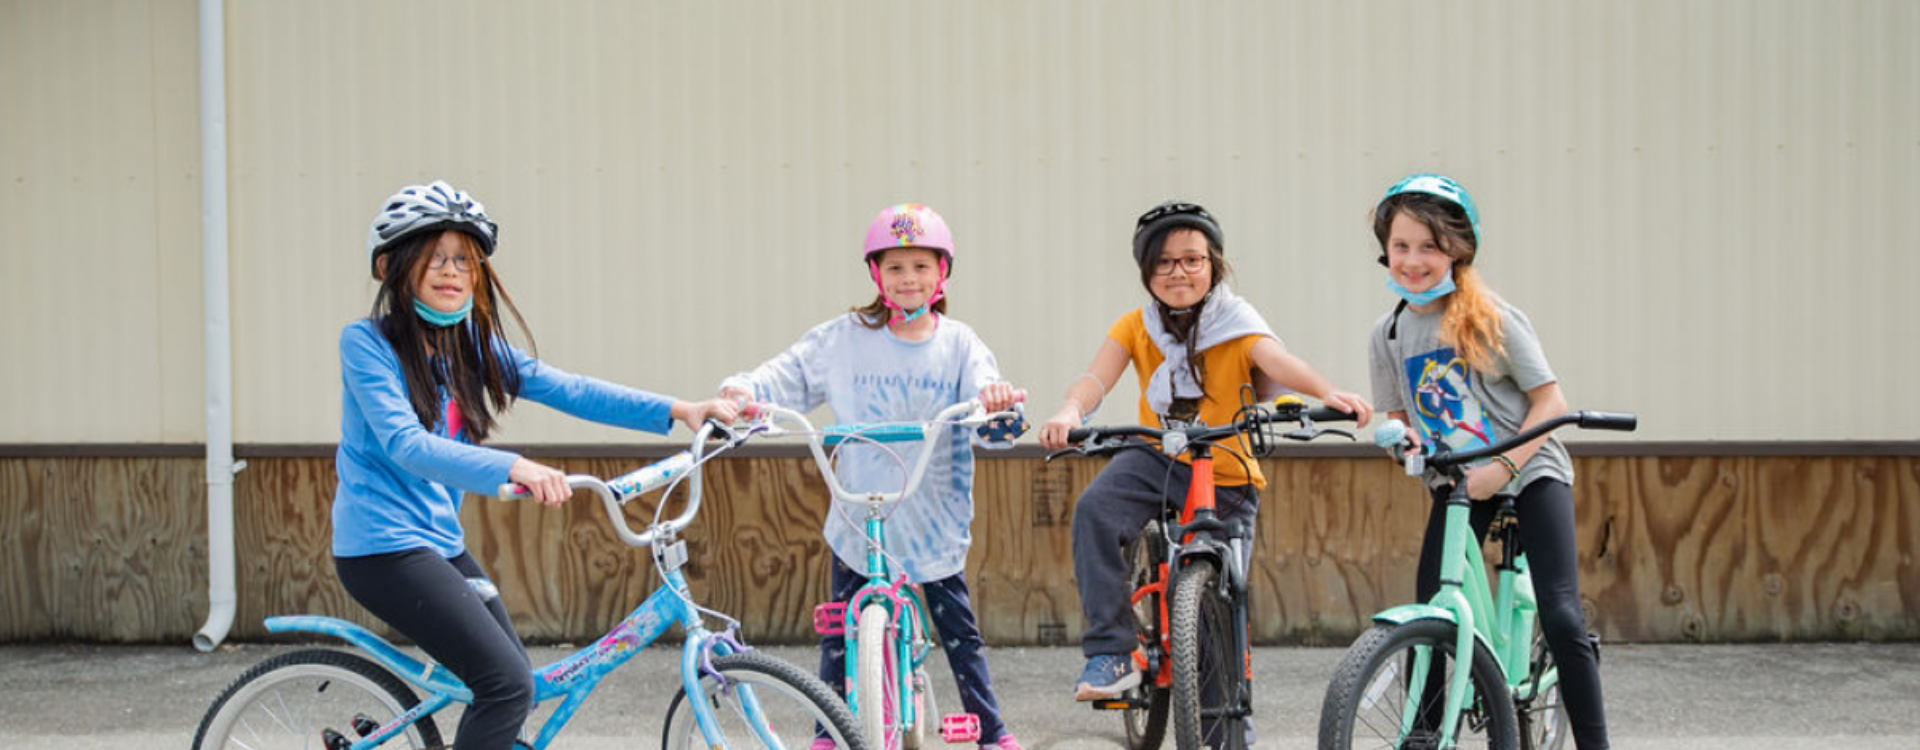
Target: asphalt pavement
(1660, 697)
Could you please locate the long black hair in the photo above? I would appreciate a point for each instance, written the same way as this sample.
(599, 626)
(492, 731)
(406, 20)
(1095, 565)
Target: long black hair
(469, 359)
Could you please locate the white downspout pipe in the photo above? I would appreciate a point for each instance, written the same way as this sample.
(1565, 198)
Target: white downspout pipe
(218, 344)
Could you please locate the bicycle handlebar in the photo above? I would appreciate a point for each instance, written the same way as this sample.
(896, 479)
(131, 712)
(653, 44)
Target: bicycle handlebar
(1392, 435)
(967, 413)
(1110, 439)
(615, 492)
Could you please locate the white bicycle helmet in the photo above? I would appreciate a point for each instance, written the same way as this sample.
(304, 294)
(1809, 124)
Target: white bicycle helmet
(420, 208)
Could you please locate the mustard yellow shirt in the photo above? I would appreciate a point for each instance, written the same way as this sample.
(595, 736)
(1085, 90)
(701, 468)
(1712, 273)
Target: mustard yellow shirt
(1225, 368)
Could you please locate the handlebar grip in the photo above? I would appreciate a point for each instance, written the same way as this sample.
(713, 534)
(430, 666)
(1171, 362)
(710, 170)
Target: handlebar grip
(512, 491)
(1330, 414)
(1607, 420)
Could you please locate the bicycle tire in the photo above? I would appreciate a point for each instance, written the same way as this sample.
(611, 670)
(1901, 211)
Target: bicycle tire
(1146, 725)
(926, 710)
(1542, 713)
(874, 685)
(1209, 669)
(803, 703)
(1366, 700)
(289, 700)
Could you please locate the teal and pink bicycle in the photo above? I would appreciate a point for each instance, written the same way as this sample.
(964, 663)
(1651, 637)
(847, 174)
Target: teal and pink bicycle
(730, 695)
(1469, 668)
(888, 634)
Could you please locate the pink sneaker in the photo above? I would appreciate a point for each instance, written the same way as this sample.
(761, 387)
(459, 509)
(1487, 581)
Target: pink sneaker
(1006, 742)
(822, 743)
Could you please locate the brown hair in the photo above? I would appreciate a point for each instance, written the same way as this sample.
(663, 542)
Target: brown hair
(1471, 321)
(470, 358)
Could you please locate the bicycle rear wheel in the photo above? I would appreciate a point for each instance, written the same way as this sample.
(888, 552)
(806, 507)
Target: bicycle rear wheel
(1146, 716)
(1211, 692)
(1367, 703)
(762, 702)
(292, 700)
(1542, 712)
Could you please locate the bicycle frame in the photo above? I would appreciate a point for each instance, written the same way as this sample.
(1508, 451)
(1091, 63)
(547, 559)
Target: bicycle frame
(573, 678)
(908, 646)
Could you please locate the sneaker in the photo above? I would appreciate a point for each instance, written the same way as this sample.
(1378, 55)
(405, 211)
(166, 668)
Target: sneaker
(1006, 742)
(822, 743)
(1106, 677)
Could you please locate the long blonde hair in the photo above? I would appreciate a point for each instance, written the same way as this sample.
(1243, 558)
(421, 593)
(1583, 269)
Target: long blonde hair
(1471, 322)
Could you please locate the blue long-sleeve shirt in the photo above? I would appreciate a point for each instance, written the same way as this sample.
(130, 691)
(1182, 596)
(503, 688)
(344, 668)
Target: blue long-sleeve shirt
(401, 485)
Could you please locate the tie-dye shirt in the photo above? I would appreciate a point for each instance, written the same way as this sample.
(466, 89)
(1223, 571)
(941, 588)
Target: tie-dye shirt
(864, 376)
(1454, 404)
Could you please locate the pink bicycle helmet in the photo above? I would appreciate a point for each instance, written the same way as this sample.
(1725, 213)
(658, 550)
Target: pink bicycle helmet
(909, 225)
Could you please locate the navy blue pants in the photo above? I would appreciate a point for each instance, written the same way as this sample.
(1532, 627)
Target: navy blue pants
(427, 598)
(1545, 512)
(951, 610)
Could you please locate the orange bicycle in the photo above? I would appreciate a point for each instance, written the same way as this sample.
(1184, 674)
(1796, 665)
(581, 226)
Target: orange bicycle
(1188, 573)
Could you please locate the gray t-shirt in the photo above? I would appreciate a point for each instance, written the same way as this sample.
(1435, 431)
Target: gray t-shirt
(1451, 403)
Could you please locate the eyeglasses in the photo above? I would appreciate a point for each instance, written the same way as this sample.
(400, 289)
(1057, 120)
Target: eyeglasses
(1191, 264)
(1169, 209)
(460, 262)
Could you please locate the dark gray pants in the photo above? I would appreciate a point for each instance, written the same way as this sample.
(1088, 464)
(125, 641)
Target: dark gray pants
(1127, 494)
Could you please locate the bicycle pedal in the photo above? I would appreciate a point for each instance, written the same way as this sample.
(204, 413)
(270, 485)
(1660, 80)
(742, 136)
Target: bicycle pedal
(1115, 704)
(333, 740)
(364, 725)
(959, 728)
(830, 618)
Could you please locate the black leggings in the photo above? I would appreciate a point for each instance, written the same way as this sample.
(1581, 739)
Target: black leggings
(1545, 510)
(428, 599)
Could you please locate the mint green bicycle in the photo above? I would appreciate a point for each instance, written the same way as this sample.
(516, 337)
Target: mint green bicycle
(1507, 696)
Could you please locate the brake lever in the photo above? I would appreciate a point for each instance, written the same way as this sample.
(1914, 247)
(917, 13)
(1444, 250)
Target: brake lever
(1306, 434)
(1062, 452)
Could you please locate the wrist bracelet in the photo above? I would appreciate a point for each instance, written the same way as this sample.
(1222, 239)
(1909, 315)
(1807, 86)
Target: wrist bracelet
(1508, 462)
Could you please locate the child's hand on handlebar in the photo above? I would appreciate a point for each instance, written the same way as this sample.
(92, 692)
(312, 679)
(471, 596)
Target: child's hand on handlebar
(1351, 404)
(547, 484)
(999, 397)
(1053, 432)
(695, 413)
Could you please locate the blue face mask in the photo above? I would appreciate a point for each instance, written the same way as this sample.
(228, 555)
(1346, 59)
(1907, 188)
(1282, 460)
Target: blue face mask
(442, 319)
(1442, 289)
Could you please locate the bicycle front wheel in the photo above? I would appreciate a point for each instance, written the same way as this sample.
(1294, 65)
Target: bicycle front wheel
(1211, 691)
(293, 701)
(874, 685)
(760, 701)
(1369, 703)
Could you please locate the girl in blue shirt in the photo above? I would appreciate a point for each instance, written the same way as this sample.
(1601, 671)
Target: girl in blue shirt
(424, 376)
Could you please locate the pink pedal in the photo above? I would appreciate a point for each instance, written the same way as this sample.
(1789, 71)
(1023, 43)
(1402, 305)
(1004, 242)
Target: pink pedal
(959, 728)
(830, 618)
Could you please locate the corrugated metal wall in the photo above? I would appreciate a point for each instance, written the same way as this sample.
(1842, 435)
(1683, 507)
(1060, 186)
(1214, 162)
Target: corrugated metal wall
(1702, 205)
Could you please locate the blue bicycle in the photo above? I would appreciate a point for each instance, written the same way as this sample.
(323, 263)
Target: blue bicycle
(336, 700)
